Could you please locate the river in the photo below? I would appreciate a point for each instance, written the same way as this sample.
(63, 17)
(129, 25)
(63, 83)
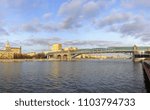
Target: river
(89, 76)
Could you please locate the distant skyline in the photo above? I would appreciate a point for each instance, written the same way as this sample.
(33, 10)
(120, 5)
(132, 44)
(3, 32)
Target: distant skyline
(36, 24)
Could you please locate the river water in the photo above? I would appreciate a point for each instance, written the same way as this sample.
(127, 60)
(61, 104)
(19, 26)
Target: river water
(96, 76)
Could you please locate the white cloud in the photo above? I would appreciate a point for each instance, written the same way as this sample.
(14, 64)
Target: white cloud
(92, 43)
(72, 7)
(78, 11)
(73, 14)
(40, 41)
(114, 18)
(47, 15)
(142, 2)
(136, 3)
(127, 24)
(3, 32)
(84, 8)
(90, 9)
(69, 23)
(12, 3)
(31, 27)
(137, 29)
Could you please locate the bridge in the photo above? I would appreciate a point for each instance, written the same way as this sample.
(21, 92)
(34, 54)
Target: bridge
(69, 55)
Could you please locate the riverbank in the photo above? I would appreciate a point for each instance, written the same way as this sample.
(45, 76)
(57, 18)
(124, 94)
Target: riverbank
(33, 60)
(44, 60)
(25, 60)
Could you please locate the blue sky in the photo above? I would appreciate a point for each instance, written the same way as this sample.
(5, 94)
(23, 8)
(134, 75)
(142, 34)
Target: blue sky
(37, 24)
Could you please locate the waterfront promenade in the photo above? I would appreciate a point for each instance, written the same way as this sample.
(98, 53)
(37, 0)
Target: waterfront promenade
(24, 60)
(47, 60)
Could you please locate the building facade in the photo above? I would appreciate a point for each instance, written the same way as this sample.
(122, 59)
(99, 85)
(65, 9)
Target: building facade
(31, 54)
(70, 49)
(9, 52)
(56, 47)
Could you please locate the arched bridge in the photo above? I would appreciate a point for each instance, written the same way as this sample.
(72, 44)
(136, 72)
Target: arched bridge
(68, 55)
(136, 53)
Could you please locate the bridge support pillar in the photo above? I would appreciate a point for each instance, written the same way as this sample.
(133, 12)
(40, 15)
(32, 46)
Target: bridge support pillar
(69, 58)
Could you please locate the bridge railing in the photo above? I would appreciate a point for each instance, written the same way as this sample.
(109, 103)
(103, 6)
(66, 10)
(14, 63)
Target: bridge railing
(90, 51)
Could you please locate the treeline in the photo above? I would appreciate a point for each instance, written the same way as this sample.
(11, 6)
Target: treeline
(25, 56)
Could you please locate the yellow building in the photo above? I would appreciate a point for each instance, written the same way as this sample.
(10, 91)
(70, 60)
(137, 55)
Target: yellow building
(57, 47)
(70, 49)
(31, 54)
(9, 52)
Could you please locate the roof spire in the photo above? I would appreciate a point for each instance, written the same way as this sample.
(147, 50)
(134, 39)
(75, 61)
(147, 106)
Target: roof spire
(7, 44)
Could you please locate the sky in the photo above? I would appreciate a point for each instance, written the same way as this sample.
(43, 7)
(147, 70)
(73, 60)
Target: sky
(37, 24)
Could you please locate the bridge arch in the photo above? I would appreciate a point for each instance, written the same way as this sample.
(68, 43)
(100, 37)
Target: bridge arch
(51, 56)
(65, 57)
(59, 57)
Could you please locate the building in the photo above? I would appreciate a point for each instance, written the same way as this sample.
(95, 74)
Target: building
(31, 54)
(70, 49)
(9, 52)
(57, 47)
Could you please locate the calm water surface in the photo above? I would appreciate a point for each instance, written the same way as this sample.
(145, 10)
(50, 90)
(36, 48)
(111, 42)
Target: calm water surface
(73, 76)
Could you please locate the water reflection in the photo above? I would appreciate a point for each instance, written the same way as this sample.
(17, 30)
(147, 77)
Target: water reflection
(55, 69)
(10, 71)
(54, 76)
(137, 67)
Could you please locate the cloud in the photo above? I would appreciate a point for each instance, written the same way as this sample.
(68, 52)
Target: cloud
(73, 14)
(21, 4)
(31, 27)
(136, 3)
(91, 43)
(127, 24)
(1, 44)
(12, 3)
(83, 7)
(3, 32)
(69, 23)
(40, 41)
(79, 11)
(137, 29)
(133, 29)
(50, 27)
(145, 3)
(90, 9)
(146, 38)
(114, 18)
(44, 42)
(47, 15)
(35, 26)
(70, 8)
